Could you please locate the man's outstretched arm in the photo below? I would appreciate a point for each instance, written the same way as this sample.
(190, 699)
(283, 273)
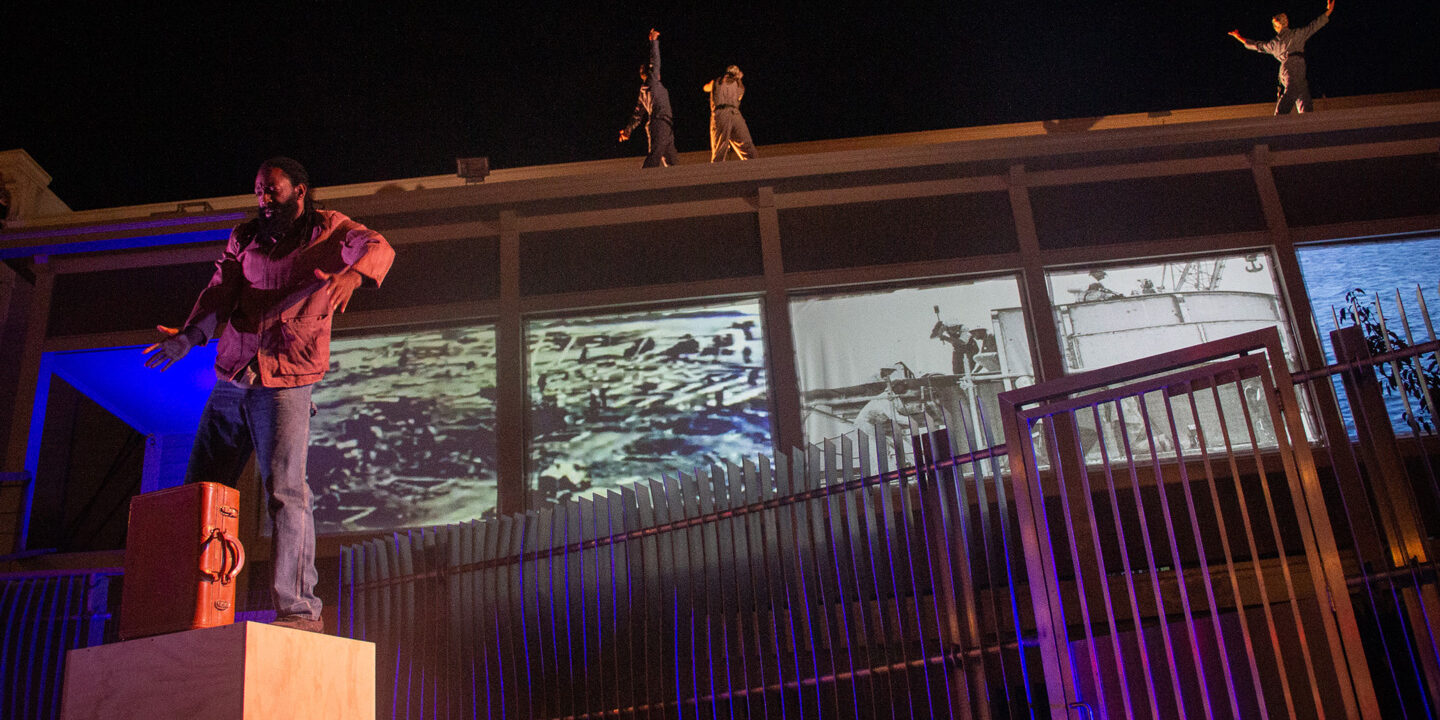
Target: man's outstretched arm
(654, 55)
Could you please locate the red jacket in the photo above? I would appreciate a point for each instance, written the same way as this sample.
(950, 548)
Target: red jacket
(270, 305)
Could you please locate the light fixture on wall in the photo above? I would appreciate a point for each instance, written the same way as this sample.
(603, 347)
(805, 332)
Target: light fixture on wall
(472, 169)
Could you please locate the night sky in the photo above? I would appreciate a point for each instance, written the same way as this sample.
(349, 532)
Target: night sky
(126, 105)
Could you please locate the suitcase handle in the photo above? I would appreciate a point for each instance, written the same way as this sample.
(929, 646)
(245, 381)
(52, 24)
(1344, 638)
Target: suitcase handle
(232, 553)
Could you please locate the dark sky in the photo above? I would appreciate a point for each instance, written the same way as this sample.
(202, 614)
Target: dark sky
(125, 104)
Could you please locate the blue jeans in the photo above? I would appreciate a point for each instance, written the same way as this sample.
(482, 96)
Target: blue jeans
(275, 424)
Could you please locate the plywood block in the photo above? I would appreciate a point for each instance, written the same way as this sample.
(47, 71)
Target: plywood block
(244, 671)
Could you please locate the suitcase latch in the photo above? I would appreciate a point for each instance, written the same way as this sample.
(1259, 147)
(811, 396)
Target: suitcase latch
(228, 511)
(222, 605)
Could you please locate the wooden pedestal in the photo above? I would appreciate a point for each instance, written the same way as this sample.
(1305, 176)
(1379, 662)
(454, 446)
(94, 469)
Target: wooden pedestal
(244, 671)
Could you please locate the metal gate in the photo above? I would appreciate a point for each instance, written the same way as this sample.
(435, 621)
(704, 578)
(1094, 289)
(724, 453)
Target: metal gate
(1181, 558)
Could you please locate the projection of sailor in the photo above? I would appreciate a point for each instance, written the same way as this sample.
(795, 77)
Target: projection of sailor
(912, 356)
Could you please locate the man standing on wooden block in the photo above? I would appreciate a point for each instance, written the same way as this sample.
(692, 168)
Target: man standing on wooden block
(276, 288)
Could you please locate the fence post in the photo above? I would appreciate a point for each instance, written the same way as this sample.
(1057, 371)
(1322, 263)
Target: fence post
(1380, 452)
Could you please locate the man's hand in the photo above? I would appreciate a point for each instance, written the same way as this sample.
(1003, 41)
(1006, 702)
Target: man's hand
(175, 346)
(656, 33)
(340, 286)
(624, 135)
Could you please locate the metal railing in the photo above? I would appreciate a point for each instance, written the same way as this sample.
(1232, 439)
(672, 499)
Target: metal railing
(1171, 548)
(44, 615)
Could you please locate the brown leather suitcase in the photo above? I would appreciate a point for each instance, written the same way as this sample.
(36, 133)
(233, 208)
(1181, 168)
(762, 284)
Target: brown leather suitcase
(182, 555)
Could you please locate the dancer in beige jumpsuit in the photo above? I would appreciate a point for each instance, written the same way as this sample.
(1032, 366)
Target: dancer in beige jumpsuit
(728, 130)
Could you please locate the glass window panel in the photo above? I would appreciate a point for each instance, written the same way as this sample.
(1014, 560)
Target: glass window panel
(1375, 271)
(1110, 314)
(910, 355)
(1106, 315)
(404, 435)
(631, 396)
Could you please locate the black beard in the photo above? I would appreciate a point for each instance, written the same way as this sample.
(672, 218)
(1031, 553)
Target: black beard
(275, 226)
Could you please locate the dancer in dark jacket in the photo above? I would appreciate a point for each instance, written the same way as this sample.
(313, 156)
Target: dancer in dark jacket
(653, 108)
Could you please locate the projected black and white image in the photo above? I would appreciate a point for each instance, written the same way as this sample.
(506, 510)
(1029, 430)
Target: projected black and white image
(911, 356)
(1117, 313)
(405, 431)
(629, 397)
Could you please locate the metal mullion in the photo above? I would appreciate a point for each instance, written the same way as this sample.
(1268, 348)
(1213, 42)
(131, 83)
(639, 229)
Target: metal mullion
(694, 590)
(76, 586)
(1102, 569)
(987, 539)
(378, 616)
(483, 543)
(915, 600)
(1428, 394)
(711, 585)
(1341, 628)
(10, 590)
(1131, 594)
(415, 567)
(774, 484)
(1365, 577)
(1063, 490)
(1037, 557)
(42, 639)
(726, 484)
(834, 517)
(385, 624)
(891, 536)
(458, 544)
(632, 659)
(615, 534)
(15, 627)
(762, 600)
(667, 511)
(873, 535)
(29, 639)
(963, 603)
(1162, 616)
(813, 479)
(946, 622)
(797, 579)
(585, 685)
(488, 620)
(1087, 396)
(572, 565)
(345, 619)
(1177, 561)
(359, 602)
(1425, 392)
(436, 642)
(1256, 566)
(405, 571)
(547, 621)
(1404, 604)
(506, 651)
(655, 554)
(403, 583)
(1297, 497)
(1204, 445)
(808, 476)
(857, 527)
(526, 537)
